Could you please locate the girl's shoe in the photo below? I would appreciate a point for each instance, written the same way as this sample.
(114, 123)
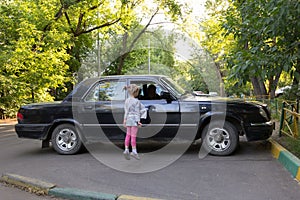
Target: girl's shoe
(135, 155)
(126, 155)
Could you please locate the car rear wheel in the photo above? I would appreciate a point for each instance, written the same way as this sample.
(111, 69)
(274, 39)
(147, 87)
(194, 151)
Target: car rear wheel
(220, 140)
(65, 140)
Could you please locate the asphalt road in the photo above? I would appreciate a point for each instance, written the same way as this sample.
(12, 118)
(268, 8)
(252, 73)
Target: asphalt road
(251, 173)
(9, 192)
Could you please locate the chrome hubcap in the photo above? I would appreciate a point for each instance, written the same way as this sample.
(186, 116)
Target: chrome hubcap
(218, 139)
(66, 139)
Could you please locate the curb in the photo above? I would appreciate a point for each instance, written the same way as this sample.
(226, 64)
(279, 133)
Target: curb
(31, 184)
(45, 188)
(72, 193)
(287, 159)
(128, 197)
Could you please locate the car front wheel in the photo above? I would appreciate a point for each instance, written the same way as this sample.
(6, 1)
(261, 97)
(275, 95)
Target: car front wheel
(65, 140)
(220, 140)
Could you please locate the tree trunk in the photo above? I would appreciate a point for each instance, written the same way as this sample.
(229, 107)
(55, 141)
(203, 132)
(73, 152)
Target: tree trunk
(123, 55)
(263, 88)
(121, 61)
(256, 88)
(273, 84)
(259, 87)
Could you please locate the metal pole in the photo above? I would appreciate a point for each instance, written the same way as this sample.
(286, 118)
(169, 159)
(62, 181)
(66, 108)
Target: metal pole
(282, 118)
(98, 52)
(297, 118)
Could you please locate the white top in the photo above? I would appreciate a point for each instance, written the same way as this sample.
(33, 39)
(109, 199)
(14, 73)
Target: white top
(134, 111)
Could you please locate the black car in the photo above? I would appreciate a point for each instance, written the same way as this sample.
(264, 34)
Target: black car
(94, 111)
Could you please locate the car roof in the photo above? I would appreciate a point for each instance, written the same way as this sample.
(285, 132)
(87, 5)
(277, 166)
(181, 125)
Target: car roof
(143, 76)
(84, 85)
(125, 77)
(133, 76)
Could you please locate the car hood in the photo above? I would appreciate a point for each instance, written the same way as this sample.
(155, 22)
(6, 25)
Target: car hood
(217, 99)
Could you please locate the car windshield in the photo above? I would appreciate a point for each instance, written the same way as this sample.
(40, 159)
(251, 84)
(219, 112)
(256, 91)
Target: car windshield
(174, 87)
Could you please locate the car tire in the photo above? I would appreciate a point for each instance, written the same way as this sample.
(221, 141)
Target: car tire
(65, 140)
(220, 140)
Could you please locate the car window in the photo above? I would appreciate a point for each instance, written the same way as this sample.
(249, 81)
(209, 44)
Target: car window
(107, 91)
(144, 87)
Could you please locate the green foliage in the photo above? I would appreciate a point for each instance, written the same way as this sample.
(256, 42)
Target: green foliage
(130, 53)
(233, 89)
(158, 43)
(172, 8)
(292, 94)
(291, 144)
(263, 36)
(44, 42)
(190, 77)
(30, 63)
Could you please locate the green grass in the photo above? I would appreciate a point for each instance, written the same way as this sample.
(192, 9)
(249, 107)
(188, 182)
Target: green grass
(291, 144)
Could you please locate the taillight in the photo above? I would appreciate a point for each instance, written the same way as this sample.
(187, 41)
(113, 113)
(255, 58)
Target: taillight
(20, 116)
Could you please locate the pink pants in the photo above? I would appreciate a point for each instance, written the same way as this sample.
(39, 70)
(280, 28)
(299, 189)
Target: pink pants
(131, 133)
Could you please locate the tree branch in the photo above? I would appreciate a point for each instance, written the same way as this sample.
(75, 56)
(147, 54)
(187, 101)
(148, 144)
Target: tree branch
(96, 6)
(79, 24)
(143, 30)
(161, 23)
(101, 26)
(69, 22)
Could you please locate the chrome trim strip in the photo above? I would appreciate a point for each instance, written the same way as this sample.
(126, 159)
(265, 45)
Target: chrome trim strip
(269, 123)
(149, 125)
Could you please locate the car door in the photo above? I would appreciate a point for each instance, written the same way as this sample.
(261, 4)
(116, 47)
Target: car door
(163, 117)
(103, 110)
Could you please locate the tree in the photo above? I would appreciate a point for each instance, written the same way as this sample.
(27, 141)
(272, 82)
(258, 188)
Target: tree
(266, 41)
(43, 42)
(29, 65)
(215, 44)
(161, 51)
(122, 48)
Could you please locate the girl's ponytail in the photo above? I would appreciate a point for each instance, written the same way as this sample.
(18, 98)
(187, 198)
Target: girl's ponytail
(132, 89)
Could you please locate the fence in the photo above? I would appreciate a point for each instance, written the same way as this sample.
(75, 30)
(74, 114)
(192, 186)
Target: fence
(289, 121)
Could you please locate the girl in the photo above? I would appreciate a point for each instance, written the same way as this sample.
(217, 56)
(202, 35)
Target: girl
(134, 111)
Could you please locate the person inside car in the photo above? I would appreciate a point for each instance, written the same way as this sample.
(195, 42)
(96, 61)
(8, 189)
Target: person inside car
(152, 95)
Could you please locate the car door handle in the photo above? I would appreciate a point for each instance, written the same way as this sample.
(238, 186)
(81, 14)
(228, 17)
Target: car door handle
(88, 107)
